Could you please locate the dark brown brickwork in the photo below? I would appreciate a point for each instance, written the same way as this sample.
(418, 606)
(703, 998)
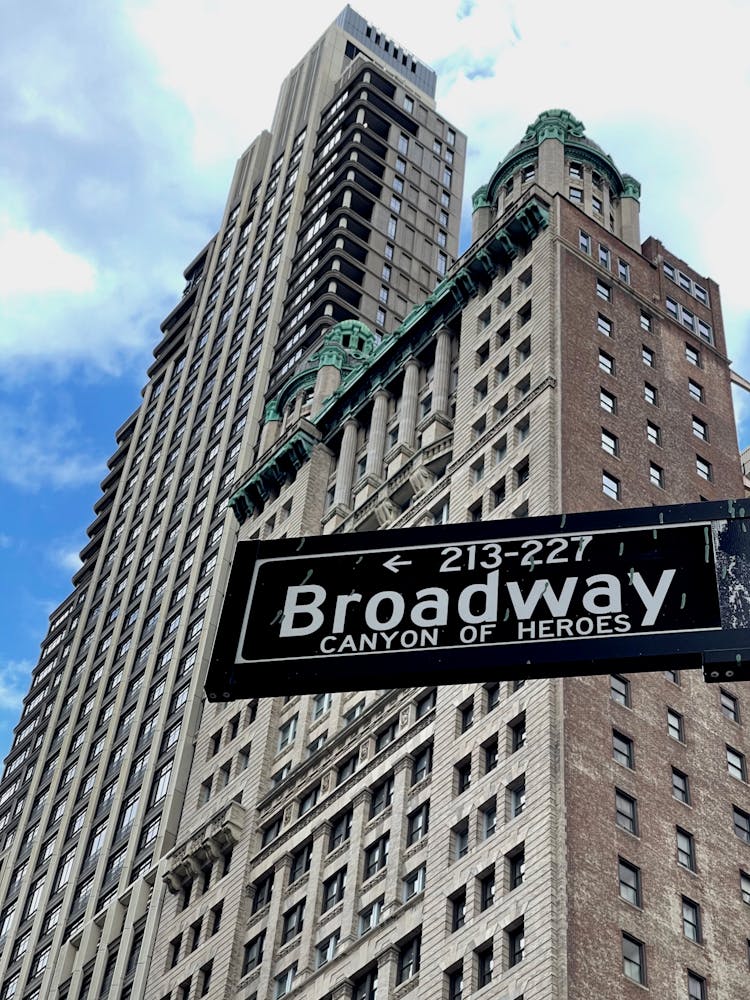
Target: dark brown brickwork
(583, 417)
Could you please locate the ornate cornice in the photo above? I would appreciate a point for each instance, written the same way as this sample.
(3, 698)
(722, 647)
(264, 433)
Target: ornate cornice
(206, 845)
(378, 363)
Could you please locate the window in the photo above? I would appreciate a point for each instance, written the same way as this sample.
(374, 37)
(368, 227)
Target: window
(584, 241)
(623, 270)
(263, 890)
(604, 325)
(685, 849)
(603, 290)
(691, 920)
(576, 195)
(610, 486)
(741, 824)
(610, 443)
(647, 356)
(490, 754)
(422, 764)
(680, 786)
(321, 704)
(646, 321)
(485, 963)
(292, 922)
(376, 856)
(745, 887)
(460, 838)
(650, 394)
(456, 983)
(487, 889)
(516, 867)
(656, 475)
(333, 889)
(301, 859)
(326, 950)
(695, 390)
(675, 726)
(653, 433)
(630, 882)
(516, 944)
(730, 706)
(696, 987)
(284, 980)
(633, 959)
(488, 818)
(341, 827)
(736, 764)
(703, 468)
(693, 355)
(380, 796)
(619, 689)
(426, 703)
(622, 749)
(415, 882)
(606, 363)
(463, 775)
(418, 824)
(309, 799)
(607, 401)
(604, 254)
(466, 715)
(365, 986)
(271, 830)
(458, 909)
(370, 916)
(408, 958)
(626, 812)
(517, 797)
(287, 732)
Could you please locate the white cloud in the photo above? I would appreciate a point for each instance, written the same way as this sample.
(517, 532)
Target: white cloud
(36, 452)
(15, 676)
(66, 559)
(35, 263)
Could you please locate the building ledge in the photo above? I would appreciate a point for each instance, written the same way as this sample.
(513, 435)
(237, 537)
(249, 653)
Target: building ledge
(206, 845)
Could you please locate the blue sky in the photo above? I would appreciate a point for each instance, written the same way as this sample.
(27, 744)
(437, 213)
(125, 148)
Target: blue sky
(120, 126)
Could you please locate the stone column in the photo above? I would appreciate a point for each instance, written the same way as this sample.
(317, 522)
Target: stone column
(327, 381)
(408, 417)
(376, 442)
(345, 468)
(442, 378)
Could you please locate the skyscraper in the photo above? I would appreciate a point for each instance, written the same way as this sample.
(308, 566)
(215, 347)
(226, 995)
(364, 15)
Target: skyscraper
(347, 208)
(548, 839)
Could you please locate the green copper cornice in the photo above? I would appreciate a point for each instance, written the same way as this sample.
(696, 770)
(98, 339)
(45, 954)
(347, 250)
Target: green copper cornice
(479, 198)
(371, 365)
(632, 188)
(559, 124)
(266, 482)
(272, 411)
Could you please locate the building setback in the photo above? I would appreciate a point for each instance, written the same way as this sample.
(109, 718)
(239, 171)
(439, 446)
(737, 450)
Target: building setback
(347, 208)
(539, 840)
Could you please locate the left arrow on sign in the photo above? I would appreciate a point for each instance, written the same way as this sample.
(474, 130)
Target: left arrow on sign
(395, 562)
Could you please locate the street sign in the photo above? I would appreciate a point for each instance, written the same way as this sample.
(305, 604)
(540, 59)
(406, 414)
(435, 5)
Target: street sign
(540, 597)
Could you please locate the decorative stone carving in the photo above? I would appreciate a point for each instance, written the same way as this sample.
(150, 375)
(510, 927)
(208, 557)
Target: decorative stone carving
(207, 845)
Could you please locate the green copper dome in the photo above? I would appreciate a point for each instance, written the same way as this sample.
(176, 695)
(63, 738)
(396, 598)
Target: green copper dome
(556, 123)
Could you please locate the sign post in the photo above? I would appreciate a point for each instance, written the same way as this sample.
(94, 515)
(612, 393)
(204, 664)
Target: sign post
(542, 597)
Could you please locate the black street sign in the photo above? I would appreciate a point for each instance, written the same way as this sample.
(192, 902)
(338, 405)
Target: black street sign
(541, 597)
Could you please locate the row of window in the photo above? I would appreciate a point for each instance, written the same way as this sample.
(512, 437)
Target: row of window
(634, 967)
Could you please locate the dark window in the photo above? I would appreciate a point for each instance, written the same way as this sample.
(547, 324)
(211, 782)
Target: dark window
(691, 920)
(458, 909)
(516, 944)
(626, 812)
(630, 882)
(516, 867)
(680, 786)
(619, 688)
(341, 827)
(485, 964)
(730, 706)
(633, 959)
(685, 849)
(622, 749)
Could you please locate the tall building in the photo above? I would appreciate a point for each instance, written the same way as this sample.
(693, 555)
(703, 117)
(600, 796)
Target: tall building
(347, 208)
(547, 840)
